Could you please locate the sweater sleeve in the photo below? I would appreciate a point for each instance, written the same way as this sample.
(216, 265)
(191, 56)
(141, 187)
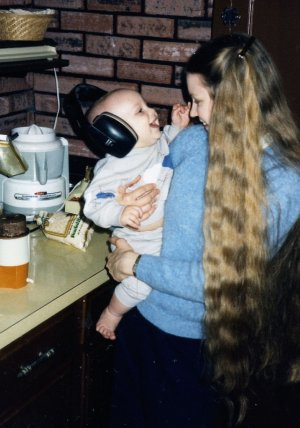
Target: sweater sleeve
(179, 278)
(169, 133)
(178, 271)
(100, 198)
(283, 193)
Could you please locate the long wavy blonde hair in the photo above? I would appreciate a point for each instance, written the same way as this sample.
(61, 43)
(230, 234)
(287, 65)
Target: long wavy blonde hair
(249, 109)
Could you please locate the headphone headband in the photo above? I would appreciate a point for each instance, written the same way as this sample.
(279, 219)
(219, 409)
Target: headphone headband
(108, 133)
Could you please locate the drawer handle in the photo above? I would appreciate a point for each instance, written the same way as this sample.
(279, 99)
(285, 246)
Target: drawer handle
(42, 356)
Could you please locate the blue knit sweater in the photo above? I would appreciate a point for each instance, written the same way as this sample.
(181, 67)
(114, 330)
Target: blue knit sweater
(176, 303)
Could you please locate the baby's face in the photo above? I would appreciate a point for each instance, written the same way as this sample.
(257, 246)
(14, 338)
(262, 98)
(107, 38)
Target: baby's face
(131, 107)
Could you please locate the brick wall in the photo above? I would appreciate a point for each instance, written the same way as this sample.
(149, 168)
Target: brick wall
(16, 93)
(139, 44)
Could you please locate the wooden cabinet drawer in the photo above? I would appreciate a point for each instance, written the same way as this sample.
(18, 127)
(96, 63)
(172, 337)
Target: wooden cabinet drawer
(35, 360)
(98, 355)
(50, 408)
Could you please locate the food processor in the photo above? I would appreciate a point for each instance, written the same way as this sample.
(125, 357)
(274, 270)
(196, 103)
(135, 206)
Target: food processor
(45, 184)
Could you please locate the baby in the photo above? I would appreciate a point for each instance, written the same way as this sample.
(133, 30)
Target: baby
(147, 162)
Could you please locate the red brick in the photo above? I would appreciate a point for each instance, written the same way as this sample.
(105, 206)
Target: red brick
(63, 126)
(46, 82)
(89, 65)
(54, 23)
(113, 46)
(210, 8)
(144, 26)
(164, 116)
(178, 75)
(194, 30)
(45, 103)
(144, 72)
(110, 85)
(115, 6)
(168, 51)
(188, 8)
(30, 117)
(76, 146)
(13, 84)
(22, 101)
(162, 96)
(66, 4)
(79, 148)
(15, 2)
(14, 121)
(83, 21)
(16, 102)
(67, 41)
(29, 79)
(46, 121)
(123, 41)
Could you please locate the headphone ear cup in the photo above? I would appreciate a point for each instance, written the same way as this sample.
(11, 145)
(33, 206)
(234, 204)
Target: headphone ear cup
(108, 133)
(73, 112)
(75, 103)
(80, 97)
(114, 133)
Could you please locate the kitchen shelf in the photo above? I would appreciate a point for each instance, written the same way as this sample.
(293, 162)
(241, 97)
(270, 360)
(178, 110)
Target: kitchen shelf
(21, 68)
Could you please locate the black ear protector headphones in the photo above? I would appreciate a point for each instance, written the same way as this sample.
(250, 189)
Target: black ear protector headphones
(108, 133)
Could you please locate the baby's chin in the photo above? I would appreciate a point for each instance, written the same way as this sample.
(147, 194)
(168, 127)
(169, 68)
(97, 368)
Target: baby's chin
(148, 143)
(156, 132)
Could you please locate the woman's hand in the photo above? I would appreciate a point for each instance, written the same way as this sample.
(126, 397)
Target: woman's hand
(121, 261)
(143, 197)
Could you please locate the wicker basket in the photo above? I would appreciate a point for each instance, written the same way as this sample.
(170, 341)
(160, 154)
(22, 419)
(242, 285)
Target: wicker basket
(31, 27)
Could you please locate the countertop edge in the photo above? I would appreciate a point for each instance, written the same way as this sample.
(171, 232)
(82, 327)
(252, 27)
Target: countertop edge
(61, 302)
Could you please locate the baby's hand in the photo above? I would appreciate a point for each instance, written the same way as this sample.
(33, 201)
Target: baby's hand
(181, 115)
(131, 217)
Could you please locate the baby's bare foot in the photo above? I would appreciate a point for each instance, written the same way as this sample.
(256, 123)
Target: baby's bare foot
(108, 323)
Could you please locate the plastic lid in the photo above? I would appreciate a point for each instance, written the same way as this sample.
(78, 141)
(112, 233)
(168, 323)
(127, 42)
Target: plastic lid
(36, 138)
(13, 226)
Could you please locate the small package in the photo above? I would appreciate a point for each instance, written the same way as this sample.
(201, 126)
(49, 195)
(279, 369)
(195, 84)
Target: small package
(69, 229)
(74, 202)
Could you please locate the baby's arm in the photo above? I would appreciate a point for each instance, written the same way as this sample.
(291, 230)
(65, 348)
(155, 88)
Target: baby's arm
(181, 115)
(105, 208)
(101, 205)
(180, 120)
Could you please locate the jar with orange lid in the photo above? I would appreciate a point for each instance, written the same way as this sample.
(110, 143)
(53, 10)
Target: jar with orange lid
(14, 251)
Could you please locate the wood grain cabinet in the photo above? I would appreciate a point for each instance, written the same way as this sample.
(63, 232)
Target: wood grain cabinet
(58, 374)
(276, 24)
(97, 361)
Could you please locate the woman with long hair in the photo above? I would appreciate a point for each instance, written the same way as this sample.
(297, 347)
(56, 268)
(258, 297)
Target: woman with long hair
(233, 198)
(274, 390)
(250, 120)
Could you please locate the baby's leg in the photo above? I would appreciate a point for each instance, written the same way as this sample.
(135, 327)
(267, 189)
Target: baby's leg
(110, 318)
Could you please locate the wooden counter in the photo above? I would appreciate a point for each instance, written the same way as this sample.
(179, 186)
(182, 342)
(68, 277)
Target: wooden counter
(61, 274)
